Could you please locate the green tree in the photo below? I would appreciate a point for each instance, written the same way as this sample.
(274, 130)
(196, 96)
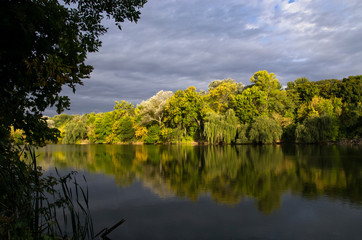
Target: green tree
(350, 90)
(75, 131)
(221, 128)
(122, 130)
(44, 49)
(265, 130)
(103, 124)
(267, 82)
(153, 135)
(123, 121)
(184, 110)
(222, 93)
(317, 129)
(123, 109)
(250, 104)
(319, 106)
(275, 98)
(304, 89)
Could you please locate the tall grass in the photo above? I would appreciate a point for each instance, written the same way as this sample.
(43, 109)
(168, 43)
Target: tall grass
(33, 206)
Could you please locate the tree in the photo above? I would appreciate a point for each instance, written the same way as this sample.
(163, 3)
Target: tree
(153, 134)
(152, 110)
(75, 131)
(214, 84)
(305, 89)
(319, 107)
(275, 98)
(250, 104)
(123, 109)
(122, 130)
(265, 130)
(44, 49)
(222, 93)
(350, 90)
(221, 129)
(267, 82)
(317, 129)
(103, 124)
(184, 110)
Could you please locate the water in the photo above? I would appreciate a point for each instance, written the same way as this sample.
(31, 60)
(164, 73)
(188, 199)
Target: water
(219, 192)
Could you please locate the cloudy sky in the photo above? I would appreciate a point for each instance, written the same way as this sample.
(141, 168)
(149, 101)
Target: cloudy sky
(182, 43)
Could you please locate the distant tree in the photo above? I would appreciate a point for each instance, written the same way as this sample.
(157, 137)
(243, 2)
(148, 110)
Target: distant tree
(62, 119)
(152, 110)
(214, 84)
(275, 98)
(140, 132)
(250, 104)
(103, 124)
(221, 128)
(75, 131)
(184, 110)
(350, 121)
(350, 90)
(267, 82)
(265, 130)
(304, 89)
(123, 109)
(153, 135)
(122, 130)
(242, 136)
(222, 93)
(317, 129)
(319, 106)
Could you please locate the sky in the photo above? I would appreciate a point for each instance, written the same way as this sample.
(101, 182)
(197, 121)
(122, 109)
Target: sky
(182, 43)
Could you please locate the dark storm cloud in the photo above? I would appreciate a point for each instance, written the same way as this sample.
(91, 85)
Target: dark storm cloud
(177, 44)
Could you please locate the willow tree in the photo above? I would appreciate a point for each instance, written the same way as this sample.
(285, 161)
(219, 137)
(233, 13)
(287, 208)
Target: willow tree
(75, 131)
(221, 128)
(265, 130)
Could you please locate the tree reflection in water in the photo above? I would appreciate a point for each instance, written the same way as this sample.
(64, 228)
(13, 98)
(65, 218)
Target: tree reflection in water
(228, 173)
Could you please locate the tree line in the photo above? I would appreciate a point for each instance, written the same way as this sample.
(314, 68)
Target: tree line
(228, 113)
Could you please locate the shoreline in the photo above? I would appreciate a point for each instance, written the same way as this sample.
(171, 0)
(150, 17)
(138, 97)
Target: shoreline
(343, 142)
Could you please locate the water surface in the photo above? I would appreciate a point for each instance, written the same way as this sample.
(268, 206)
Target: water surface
(219, 192)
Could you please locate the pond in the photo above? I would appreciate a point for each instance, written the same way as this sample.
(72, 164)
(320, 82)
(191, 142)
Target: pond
(218, 192)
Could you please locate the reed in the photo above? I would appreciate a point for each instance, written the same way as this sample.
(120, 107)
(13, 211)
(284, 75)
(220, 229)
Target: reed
(34, 206)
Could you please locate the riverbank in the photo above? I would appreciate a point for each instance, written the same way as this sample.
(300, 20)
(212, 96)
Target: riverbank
(202, 143)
